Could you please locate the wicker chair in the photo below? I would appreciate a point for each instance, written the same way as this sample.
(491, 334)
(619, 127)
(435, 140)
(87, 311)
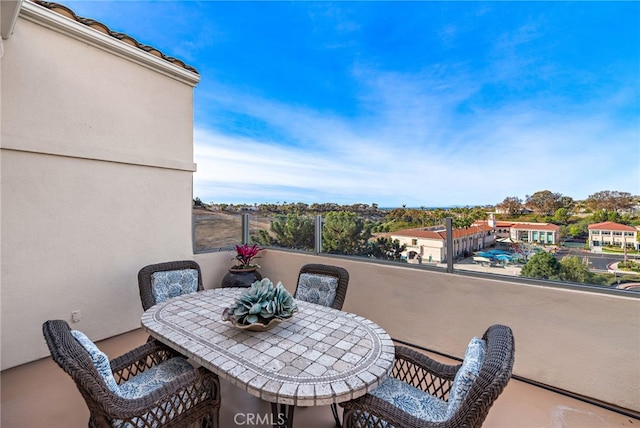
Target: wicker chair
(191, 396)
(146, 279)
(436, 379)
(310, 272)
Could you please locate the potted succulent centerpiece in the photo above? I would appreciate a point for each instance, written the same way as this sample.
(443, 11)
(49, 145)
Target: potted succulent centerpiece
(245, 271)
(261, 307)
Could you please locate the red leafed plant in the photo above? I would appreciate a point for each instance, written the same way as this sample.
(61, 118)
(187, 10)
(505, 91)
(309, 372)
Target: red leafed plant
(245, 253)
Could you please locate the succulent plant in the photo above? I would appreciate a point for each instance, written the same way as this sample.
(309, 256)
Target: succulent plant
(261, 303)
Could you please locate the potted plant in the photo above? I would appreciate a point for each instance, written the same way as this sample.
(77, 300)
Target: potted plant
(261, 307)
(244, 272)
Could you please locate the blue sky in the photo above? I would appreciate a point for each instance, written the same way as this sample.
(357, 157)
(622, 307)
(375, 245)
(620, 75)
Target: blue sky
(415, 103)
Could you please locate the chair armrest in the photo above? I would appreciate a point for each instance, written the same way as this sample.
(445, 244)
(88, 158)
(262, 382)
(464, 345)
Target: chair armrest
(423, 372)
(139, 359)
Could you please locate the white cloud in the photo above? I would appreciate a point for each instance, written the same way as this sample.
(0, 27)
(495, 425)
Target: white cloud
(412, 146)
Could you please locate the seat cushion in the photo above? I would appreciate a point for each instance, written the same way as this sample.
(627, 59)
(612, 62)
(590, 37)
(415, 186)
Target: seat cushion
(172, 283)
(153, 378)
(148, 381)
(468, 373)
(99, 359)
(315, 288)
(411, 400)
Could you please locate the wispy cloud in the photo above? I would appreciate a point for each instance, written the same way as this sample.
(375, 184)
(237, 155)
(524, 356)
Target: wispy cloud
(417, 103)
(413, 147)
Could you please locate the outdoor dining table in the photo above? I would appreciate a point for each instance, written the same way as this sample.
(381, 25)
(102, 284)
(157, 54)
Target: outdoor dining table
(320, 356)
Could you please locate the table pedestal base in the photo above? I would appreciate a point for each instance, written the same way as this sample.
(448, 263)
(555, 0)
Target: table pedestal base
(282, 415)
(334, 410)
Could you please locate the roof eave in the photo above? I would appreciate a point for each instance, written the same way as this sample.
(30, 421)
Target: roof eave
(64, 25)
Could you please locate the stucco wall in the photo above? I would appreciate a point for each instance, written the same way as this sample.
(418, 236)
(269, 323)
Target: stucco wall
(96, 169)
(583, 342)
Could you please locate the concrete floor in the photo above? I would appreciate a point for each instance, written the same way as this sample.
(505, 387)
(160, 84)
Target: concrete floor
(40, 394)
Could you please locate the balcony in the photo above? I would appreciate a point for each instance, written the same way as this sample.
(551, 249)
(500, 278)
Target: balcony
(94, 187)
(418, 307)
(58, 403)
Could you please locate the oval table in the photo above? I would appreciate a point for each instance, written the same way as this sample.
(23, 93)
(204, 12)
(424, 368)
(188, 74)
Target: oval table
(320, 356)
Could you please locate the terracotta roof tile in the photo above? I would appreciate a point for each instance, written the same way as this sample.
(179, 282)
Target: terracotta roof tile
(98, 26)
(535, 226)
(440, 234)
(610, 225)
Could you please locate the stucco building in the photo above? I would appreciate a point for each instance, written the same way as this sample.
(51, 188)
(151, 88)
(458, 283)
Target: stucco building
(96, 132)
(609, 233)
(527, 232)
(429, 244)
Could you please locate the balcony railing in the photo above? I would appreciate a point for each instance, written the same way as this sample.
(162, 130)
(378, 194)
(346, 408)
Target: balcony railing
(472, 253)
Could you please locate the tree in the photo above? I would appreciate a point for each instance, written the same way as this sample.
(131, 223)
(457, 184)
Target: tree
(345, 233)
(542, 265)
(561, 216)
(290, 231)
(511, 205)
(567, 202)
(609, 201)
(573, 270)
(544, 202)
(577, 229)
(462, 222)
(385, 248)
(603, 215)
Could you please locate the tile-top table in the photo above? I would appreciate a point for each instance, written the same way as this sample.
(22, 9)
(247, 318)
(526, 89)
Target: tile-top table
(320, 356)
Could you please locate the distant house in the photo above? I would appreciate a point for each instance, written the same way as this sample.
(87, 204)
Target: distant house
(609, 233)
(429, 244)
(522, 210)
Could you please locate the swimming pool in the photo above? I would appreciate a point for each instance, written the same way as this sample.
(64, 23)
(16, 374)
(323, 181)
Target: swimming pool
(499, 255)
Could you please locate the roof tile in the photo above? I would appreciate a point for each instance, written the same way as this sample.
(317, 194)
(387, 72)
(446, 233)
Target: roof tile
(98, 26)
(610, 225)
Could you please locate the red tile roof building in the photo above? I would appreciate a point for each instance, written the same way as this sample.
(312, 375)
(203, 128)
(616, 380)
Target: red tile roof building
(540, 233)
(609, 233)
(429, 244)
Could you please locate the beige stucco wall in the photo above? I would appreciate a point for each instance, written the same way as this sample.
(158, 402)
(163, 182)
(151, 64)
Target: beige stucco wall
(96, 169)
(584, 342)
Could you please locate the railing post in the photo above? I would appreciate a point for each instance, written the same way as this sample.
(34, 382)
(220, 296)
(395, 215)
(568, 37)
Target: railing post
(245, 228)
(318, 235)
(449, 235)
